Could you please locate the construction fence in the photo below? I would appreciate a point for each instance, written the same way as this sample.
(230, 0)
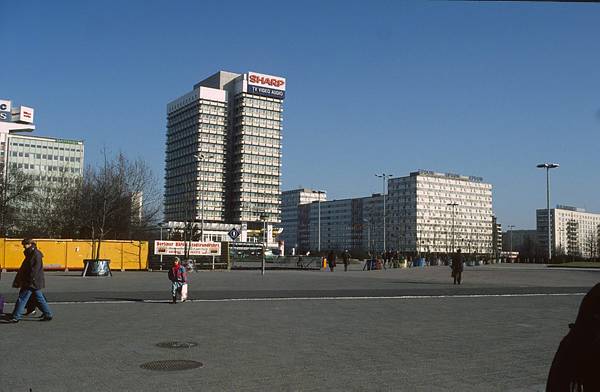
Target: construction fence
(64, 254)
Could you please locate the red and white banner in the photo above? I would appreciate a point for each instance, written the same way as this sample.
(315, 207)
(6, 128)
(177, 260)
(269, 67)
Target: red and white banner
(176, 248)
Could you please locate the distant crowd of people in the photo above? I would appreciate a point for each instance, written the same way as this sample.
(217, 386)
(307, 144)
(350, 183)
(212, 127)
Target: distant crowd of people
(393, 259)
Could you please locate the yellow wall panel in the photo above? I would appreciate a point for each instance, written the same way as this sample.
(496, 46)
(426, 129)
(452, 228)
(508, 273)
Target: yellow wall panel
(63, 253)
(77, 251)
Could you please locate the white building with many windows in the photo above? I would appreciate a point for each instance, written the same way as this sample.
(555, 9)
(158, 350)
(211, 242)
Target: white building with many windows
(574, 231)
(439, 212)
(49, 161)
(223, 155)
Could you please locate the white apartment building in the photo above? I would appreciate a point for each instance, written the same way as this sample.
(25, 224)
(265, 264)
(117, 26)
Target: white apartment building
(439, 212)
(574, 231)
(50, 161)
(223, 155)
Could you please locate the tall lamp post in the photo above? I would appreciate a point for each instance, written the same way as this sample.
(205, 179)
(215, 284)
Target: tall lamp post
(453, 205)
(264, 217)
(201, 158)
(161, 238)
(319, 222)
(548, 166)
(511, 227)
(384, 177)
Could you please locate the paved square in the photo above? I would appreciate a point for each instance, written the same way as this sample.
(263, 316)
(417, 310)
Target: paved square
(394, 330)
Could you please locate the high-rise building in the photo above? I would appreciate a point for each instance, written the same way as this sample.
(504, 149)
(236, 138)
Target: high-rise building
(574, 231)
(440, 212)
(290, 200)
(223, 155)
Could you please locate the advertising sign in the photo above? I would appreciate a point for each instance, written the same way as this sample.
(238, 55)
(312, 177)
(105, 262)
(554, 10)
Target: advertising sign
(266, 85)
(5, 108)
(176, 248)
(25, 115)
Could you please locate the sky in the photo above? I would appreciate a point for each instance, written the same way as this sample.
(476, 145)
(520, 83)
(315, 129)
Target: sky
(486, 89)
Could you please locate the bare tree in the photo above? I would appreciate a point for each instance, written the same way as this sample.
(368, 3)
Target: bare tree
(591, 245)
(120, 199)
(116, 200)
(16, 193)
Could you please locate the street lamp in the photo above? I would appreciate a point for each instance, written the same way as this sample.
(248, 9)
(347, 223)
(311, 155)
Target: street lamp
(384, 177)
(548, 166)
(264, 217)
(511, 227)
(161, 238)
(453, 205)
(201, 158)
(319, 221)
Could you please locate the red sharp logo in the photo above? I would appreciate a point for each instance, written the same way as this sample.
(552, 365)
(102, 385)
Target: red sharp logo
(273, 82)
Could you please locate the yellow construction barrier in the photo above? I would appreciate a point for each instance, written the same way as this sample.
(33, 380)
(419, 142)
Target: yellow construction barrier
(69, 254)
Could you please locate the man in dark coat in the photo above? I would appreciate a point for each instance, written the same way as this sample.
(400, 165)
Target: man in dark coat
(30, 280)
(574, 367)
(457, 266)
(346, 258)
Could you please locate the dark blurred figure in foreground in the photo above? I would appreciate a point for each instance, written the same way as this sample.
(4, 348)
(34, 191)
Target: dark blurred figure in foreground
(575, 364)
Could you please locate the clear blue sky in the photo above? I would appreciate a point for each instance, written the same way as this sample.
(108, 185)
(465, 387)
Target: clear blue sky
(487, 89)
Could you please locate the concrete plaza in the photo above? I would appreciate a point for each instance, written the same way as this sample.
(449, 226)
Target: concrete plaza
(392, 330)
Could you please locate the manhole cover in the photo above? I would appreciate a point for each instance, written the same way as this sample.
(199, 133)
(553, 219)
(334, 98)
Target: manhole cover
(177, 344)
(171, 365)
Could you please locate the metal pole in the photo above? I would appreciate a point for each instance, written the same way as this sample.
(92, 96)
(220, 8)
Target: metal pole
(201, 201)
(452, 247)
(384, 247)
(161, 256)
(548, 166)
(548, 212)
(264, 246)
(319, 224)
(384, 177)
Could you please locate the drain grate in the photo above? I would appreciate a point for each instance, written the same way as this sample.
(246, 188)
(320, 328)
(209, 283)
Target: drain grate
(171, 365)
(177, 344)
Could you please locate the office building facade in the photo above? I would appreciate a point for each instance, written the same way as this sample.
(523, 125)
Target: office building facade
(426, 212)
(290, 202)
(48, 161)
(574, 231)
(440, 212)
(223, 155)
(330, 225)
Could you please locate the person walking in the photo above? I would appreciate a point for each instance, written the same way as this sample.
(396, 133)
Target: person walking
(331, 260)
(178, 278)
(30, 281)
(346, 258)
(457, 266)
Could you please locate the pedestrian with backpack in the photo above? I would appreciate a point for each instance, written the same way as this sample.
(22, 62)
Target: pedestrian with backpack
(178, 278)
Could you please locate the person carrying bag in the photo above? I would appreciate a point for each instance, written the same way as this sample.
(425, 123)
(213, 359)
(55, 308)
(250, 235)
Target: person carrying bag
(178, 278)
